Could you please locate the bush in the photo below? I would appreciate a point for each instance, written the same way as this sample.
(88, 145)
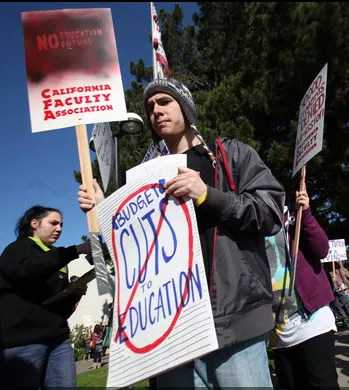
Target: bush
(78, 337)
(79, 353)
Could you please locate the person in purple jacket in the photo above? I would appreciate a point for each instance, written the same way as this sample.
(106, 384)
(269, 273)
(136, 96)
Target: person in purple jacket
(303, 337)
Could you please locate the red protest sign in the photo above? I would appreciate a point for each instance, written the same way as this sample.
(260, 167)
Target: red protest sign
(73, 73)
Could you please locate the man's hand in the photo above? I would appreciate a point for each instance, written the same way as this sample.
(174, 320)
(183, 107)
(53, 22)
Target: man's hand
(86, 201)
(186, 183)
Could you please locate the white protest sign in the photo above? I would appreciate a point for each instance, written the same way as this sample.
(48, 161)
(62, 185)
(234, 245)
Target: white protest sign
(153, 164)
(163, 316)
(310, 122)
(337, 251)
(152, 151)
(105, 151)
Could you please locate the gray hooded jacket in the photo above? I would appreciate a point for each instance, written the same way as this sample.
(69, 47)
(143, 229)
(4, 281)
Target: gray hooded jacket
(240, 283)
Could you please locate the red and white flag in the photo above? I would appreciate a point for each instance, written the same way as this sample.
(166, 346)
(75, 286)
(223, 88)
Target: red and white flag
(160, 64)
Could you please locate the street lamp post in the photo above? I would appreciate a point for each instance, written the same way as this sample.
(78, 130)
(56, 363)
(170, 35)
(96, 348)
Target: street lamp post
(132, 126)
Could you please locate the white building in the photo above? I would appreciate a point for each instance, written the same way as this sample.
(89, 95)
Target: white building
(92, 308)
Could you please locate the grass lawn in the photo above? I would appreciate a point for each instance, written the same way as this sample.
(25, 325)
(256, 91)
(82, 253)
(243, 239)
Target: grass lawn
(98, 379)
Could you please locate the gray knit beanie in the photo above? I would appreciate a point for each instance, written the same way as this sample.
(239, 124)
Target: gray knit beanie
(178, 91)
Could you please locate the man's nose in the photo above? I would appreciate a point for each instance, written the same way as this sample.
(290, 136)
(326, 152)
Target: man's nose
(156, 109)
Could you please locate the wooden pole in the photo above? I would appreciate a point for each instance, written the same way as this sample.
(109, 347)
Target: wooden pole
(295, 246)
(299, 216)
(86, 174)
(101, 271)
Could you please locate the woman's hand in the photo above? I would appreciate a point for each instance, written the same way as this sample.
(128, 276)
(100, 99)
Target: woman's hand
(86, 201)
(302, 199)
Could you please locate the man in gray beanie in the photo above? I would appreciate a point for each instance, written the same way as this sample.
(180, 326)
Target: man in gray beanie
(237, 203)
(176, 89)
(235, 209)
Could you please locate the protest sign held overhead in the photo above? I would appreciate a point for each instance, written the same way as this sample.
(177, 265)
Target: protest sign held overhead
(163, 315)
(310, 122)
(308, 144)
(74, 79)
(72, 67)
(337, 251)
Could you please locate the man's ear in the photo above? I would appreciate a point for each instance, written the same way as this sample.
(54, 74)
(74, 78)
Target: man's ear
(34, 223)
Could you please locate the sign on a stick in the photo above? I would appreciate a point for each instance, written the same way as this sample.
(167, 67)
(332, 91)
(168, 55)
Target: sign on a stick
(72, 67)
(337, 251)
(310, 122)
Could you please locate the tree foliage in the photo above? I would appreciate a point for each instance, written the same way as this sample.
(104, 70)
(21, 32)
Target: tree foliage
(248, 65)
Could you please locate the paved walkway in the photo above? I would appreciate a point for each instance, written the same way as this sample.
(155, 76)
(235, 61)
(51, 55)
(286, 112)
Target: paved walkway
(83, 366)
(342, 360)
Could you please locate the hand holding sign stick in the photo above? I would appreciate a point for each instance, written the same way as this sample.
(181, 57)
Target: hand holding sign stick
(295, 246)
(101, 271)
(308, 144)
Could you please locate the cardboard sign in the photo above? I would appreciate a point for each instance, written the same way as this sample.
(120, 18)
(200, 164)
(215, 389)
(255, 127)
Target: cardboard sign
(337, 251)
(163, 315)
(310, 122)
(152, 151)
(105, 151)
(72, 67)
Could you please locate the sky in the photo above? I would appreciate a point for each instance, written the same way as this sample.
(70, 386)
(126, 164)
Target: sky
(37, 168)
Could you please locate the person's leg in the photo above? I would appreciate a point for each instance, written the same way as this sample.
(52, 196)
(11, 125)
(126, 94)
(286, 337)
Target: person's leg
(339, 307)
(284, 367)
(343, 298)
(182, 376)
(87, 353)
(99, 359)
(245, 365)
(318, 360)
(24, 366)
(153, 383)
(61, 369)
(94, 357)
(242, 366)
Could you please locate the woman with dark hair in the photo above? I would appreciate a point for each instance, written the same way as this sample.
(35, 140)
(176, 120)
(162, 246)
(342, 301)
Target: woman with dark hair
(34, 336)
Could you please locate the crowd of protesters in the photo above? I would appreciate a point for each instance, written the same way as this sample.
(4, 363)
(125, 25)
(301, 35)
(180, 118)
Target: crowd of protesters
(239, 207)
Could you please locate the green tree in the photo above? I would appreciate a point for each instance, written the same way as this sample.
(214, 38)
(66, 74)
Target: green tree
(248, 65)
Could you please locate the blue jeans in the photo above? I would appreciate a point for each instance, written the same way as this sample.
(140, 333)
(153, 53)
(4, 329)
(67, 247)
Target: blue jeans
(245, 365)
(39, 366)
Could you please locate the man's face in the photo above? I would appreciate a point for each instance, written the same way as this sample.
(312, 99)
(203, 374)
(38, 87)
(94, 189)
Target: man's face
(166, 116)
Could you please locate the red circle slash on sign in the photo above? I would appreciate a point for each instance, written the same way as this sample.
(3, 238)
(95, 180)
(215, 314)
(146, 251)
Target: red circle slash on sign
(161, 338)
